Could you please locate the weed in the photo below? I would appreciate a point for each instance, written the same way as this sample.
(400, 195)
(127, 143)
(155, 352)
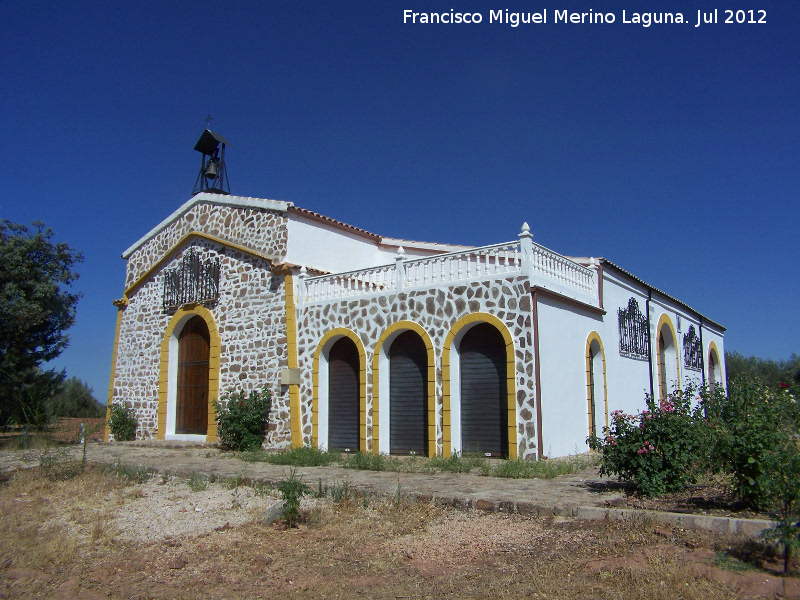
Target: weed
(235, 499)
(197, 482)
(303, 456)
(729, 563)
(293, 490)
(366, 461)
(544, 469)
(458, 463)
(340, 492)
(58, 465)
(236, 481)
(262, 489)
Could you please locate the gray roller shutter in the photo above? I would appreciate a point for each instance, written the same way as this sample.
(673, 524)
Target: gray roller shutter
(343, 398)
(484, 417)
(408, 391)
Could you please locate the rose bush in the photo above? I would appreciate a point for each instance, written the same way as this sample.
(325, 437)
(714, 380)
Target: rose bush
(242, 419)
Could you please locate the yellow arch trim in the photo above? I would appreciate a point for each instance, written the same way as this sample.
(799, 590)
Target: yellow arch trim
(594, 336)
(167, 256)
(405, 326)
(480, 317)
(190, 310)
(362, 386)
(665, 321)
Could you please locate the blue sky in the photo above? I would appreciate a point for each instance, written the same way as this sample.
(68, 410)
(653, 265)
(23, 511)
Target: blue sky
(672, 150)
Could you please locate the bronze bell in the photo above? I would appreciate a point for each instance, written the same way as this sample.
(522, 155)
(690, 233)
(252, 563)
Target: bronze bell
(211, 170)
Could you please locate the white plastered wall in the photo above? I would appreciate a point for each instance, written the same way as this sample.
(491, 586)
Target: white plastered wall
(563, 331)
(328, 248)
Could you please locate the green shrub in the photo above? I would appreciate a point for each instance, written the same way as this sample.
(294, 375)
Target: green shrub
(748, 426)
(660, 449)
(241, 419)
(122, 423)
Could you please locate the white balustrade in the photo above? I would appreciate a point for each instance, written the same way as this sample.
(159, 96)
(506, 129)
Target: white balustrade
(520, 256)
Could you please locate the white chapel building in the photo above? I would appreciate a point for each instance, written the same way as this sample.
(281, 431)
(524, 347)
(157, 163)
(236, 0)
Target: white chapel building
(384, 345)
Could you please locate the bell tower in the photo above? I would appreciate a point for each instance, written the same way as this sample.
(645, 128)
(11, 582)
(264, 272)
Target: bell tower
(213, 176)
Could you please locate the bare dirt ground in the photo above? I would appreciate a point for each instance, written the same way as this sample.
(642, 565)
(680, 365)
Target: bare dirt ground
(96, 535)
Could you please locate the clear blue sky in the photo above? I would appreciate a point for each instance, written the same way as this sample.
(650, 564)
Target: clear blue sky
(672, 150)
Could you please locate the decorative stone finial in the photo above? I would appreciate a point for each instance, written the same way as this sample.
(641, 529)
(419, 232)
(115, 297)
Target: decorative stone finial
(526, 231)
(525, 227)
(401, 251)
(303, 271)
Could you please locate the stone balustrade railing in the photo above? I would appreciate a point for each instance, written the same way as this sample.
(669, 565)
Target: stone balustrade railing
(476, 263)
(562, 270)
(351, 283)
(498, 260)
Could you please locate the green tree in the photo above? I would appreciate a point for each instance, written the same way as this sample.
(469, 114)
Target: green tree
(770, 372)
(37, 306)
(75, 399)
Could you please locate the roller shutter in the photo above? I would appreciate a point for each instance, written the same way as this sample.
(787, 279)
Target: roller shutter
(343, 398)
(408, 401)
(484, 418)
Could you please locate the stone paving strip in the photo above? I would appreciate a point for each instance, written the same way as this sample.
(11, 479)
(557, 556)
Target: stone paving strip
(582, 495)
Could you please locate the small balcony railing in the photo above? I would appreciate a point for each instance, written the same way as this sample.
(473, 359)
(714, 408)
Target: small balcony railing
(192, 281)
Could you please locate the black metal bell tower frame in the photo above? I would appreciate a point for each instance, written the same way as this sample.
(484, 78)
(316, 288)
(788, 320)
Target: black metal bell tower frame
(213, 176)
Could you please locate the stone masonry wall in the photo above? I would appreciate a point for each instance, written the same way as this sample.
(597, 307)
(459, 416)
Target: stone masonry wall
(261, 230)
(436, 310)
(250, 316)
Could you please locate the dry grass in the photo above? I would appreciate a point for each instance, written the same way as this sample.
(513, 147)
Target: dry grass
(60, 535)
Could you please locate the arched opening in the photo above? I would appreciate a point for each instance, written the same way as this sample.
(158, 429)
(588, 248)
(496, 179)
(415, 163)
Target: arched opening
(667, 356)
(714, 373)
(191, 416)
(596, 385)
(408, 395)
(483, 391)
(343, 396)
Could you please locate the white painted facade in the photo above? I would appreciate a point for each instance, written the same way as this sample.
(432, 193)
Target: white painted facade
(293, 283)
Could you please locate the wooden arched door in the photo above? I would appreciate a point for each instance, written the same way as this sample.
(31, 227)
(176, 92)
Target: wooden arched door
(193, 355)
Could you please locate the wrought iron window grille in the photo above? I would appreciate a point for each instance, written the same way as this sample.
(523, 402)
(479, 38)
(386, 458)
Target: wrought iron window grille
(692, 351)
(634, 335)
(191, 282)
